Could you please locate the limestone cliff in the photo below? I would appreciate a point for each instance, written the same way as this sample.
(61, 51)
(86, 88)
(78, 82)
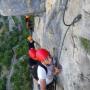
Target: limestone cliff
(50, 31)
(21, 7)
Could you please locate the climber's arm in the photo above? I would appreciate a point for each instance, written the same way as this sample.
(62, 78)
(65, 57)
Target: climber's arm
(42, 84)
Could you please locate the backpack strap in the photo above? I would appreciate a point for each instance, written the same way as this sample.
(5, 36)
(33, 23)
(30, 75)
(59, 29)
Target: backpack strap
(34, 70)
(43, 67)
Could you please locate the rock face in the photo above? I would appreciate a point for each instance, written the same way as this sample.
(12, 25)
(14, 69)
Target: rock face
(21, 7)
(50, 32)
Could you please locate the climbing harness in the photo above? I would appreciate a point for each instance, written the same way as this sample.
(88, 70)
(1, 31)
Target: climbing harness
(51, 86)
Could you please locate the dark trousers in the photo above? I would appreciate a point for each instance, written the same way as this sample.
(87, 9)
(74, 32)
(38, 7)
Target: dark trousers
(50, 86)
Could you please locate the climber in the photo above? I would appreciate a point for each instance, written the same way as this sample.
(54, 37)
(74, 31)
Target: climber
(32, 61)
(32, 53)
(45, 81)
(29, 25)
(27, 18)
(32, 43)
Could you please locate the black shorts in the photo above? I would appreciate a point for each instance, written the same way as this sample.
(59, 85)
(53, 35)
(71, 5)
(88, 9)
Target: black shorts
(50, 86)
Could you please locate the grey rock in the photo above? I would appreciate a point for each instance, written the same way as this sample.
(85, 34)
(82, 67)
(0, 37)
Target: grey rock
(50, 30)
(21, 7)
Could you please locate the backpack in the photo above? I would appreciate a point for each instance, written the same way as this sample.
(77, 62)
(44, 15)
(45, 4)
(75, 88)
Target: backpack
(34, 70)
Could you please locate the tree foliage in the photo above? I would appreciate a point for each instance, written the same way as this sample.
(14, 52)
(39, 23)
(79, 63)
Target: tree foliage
(21, 77)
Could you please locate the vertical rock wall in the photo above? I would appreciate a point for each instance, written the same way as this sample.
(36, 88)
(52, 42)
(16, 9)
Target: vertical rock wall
(50, 31)
(21, 7)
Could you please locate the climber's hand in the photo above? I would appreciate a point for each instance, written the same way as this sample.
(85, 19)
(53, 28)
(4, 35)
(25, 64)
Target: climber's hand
(56, 71)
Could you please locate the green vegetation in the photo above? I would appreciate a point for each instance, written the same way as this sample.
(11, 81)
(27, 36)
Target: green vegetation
(15, 20)
(86, 44)
(5, 22)
(3, 84)
(32, 20)
(25, 32)
(0, 69)
(7, 41)
(18, 40)
(5, 46)
(22, 49)
(22, 44)
(5, 51)
(21, 77)
(1, 24)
